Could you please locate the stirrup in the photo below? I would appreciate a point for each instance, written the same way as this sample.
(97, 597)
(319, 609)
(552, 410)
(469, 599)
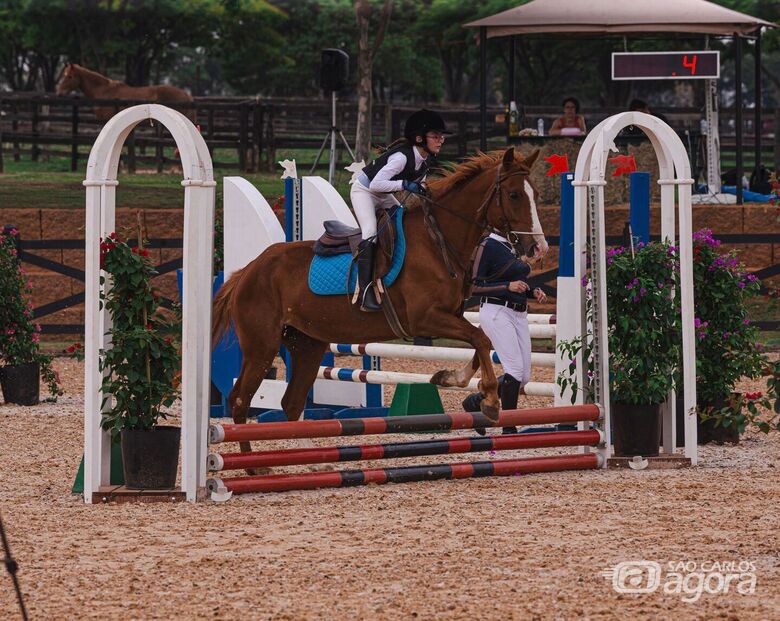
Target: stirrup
(368, 301)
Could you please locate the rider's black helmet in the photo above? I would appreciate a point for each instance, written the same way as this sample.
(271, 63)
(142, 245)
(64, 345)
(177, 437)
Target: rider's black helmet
(423, 121)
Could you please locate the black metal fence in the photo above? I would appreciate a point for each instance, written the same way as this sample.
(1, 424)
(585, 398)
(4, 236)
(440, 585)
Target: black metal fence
(545, 280)
(250, 134)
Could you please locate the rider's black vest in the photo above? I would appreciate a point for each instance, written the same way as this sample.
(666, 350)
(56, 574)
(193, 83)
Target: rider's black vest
(407, 174)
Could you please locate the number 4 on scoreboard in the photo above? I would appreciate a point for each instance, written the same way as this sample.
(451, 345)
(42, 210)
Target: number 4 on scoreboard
(692, 64)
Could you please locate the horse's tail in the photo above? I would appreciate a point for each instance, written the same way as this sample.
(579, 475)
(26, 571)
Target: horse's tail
(221, 311)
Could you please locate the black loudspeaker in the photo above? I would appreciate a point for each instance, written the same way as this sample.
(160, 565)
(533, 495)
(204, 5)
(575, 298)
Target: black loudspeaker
(334, 69)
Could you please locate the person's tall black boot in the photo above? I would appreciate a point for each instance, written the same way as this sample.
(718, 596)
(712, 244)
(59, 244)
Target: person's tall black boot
(365, 267)
(510, 390)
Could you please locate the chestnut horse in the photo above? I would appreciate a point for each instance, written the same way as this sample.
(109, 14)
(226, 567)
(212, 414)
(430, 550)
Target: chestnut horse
(270, 303)
(96, 86)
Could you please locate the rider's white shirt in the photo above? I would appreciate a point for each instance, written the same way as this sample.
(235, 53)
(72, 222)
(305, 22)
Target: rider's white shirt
(382, 181)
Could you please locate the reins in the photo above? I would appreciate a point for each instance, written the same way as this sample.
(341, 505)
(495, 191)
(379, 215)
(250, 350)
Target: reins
(445, 247)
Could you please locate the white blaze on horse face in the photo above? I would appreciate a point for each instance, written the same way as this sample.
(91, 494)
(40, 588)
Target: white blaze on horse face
(536, 226)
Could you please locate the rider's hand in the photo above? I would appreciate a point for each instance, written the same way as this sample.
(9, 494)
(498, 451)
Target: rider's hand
(540, 295)
(414, 187)
(518, 286)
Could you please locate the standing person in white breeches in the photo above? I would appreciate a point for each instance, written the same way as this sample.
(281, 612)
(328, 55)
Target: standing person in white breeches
(403, 166)
(501, 282)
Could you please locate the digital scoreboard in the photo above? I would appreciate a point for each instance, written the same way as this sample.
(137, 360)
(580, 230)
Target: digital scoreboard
(694, 65)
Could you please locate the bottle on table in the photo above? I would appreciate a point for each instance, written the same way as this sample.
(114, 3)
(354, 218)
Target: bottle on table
(514, 119)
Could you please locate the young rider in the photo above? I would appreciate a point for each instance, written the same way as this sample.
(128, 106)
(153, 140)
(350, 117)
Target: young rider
(403, 166)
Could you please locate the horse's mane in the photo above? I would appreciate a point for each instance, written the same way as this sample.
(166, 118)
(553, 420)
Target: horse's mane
(452, 177)
(83, 69)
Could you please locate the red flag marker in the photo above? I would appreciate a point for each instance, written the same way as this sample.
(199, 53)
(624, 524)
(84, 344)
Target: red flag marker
(558, 164)
(624, 164)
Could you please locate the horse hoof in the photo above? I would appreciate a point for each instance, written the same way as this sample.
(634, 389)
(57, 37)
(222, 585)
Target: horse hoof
(489, 411)
(441, 378)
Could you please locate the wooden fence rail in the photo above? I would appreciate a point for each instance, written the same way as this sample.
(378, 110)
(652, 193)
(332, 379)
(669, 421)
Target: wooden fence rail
(28, 254)
(258, 132)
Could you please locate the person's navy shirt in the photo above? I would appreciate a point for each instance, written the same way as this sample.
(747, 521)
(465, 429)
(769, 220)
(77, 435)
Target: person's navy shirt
(495, 266)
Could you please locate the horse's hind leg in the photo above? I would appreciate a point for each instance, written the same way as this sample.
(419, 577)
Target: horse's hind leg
(253, 369)
(306, 353)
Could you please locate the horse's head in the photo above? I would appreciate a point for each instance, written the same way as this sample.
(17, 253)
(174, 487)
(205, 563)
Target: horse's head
(70, 81)
(512, 210)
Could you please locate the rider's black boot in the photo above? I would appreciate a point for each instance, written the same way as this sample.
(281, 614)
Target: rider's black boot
(510, 390)
(365, 267)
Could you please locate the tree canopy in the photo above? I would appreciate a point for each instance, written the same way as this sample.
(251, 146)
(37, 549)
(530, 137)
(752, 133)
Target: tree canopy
(272, 48)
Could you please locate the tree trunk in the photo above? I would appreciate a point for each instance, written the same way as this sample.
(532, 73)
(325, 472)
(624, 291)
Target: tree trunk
(365, 61)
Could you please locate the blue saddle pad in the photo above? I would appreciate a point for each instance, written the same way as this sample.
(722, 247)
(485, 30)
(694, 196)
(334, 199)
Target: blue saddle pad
(328, 275)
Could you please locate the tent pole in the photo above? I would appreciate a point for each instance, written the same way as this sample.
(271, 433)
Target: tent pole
(512, 53)
(757, 84)
(483, 88)
(738, 110)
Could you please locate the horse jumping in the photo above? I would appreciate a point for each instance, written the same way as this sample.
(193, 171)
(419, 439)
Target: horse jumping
(97, 86)
(271, 304)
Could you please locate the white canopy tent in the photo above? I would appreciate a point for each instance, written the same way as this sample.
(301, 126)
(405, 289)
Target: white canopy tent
(607, 16)
(622, 18)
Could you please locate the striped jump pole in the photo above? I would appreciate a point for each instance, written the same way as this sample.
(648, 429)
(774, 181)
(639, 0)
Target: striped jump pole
(338, 374)
(401, 424)
(533, 318)
(424, 352)
(408, 474)
(332, 454)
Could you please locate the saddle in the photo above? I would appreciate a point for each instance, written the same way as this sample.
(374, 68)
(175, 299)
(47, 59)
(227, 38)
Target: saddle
(340, 238)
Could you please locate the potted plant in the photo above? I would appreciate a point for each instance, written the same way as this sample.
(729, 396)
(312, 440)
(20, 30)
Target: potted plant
(644, 340)
(726, 342)
(23, 362)
(139, 368)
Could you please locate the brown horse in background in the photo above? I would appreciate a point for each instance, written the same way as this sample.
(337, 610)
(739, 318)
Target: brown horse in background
(270, 303)
(96, 86)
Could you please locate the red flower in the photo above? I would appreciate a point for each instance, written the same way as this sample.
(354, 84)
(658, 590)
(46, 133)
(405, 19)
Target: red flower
(149, 326)
(144, 252)
(167, 340)
(112, 235)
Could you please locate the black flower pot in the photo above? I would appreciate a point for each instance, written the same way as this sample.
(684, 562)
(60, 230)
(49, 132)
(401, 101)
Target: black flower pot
(706, 431)
(636, 429)
(150, 457)
(21, 383)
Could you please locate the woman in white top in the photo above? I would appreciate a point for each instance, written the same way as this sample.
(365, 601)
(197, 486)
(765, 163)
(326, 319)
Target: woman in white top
(403, 166)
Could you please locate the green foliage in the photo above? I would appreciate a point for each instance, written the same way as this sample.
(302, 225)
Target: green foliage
(643, 333)
(141, 365)
(726, 343)
(644, 339)
(272, 48)
(742, 410)
(19, 334)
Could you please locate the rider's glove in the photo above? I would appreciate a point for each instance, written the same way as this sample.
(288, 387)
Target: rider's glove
(414, 187)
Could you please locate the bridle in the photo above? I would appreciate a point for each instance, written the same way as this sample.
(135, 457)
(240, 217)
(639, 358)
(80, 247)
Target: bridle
(512, 236)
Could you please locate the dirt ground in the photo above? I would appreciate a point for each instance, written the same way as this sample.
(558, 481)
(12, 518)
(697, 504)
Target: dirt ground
(530, 547)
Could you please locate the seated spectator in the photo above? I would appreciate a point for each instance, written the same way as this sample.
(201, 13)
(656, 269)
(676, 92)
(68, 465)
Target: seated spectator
(571, 123)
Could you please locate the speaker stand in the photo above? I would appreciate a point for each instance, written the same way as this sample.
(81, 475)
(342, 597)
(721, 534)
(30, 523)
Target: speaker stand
(331, 135)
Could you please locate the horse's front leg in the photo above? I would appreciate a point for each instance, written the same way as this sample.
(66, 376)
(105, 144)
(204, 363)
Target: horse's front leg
(458, 328)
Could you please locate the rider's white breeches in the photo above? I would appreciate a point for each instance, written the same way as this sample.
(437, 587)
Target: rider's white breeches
(365, 203)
